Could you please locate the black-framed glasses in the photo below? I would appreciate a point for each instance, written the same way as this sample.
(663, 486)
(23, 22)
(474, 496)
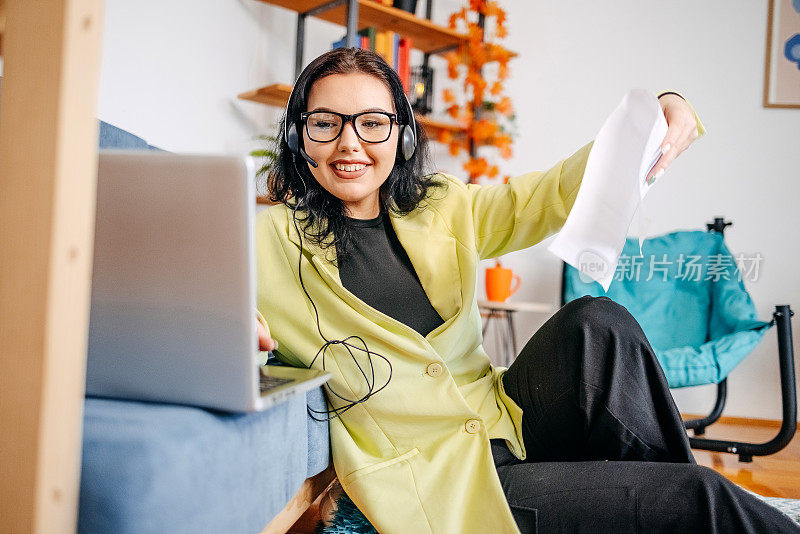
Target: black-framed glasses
(370, 126)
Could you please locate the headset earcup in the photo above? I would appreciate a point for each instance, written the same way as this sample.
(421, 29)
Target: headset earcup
(409, 141)
(291, 139)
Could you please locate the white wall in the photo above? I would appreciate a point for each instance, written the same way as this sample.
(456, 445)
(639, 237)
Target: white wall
(171, 72)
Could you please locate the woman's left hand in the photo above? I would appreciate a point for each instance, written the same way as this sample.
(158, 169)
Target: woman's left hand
(681, 133)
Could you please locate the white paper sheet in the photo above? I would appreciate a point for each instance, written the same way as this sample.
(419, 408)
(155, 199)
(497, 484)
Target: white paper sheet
(613, 185)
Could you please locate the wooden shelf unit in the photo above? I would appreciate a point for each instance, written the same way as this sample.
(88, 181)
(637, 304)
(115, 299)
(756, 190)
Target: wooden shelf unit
(426, 36)
(429, 37)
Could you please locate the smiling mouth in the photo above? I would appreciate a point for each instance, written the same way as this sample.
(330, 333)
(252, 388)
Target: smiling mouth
(349, 166)
(350, 170)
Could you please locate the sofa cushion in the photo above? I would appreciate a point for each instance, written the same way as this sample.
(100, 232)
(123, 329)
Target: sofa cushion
(112, 137)
(150, 467)
(319, 449)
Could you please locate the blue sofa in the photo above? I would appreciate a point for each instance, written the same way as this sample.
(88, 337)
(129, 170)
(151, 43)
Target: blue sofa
(150, 467)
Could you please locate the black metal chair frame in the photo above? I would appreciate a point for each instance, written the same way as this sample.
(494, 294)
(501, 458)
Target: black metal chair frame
(781, 319)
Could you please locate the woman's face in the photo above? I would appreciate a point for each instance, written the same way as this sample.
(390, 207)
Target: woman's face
(359, 188)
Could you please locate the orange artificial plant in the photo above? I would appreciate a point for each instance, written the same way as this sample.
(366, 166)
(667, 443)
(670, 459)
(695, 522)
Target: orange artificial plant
(480, 111)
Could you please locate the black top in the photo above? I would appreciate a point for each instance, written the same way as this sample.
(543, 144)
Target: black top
(378, 271)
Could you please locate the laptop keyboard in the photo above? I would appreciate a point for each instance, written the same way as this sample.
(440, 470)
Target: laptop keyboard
(267, 383)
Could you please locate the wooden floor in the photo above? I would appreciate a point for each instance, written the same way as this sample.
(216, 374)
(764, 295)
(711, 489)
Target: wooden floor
(777, 475)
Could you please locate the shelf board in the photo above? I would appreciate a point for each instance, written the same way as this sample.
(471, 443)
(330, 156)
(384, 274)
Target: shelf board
(278, 95)
(427, 36)
(434, 126)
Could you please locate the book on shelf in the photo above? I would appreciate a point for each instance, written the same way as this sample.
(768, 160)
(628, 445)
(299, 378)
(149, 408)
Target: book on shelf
(382, 46)
(366, 40)
(369, 33)
(404, 62)
(396, 50)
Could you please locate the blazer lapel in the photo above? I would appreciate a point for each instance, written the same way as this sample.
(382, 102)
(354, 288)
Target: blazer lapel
(325, 256)
(434, 257)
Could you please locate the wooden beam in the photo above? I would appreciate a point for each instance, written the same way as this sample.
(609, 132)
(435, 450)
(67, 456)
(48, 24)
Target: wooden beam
(2, 24)
(48, 150)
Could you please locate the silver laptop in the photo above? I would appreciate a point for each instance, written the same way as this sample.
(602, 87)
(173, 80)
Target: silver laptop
(173, 312)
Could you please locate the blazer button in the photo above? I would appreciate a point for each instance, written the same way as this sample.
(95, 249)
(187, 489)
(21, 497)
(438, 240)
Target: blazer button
(473, 426)
(435, 369)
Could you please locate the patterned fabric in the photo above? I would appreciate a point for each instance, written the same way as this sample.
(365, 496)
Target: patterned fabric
(348, 519)
(790, 507)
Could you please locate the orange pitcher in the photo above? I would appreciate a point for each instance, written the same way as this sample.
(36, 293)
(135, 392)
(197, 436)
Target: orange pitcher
(498, 283)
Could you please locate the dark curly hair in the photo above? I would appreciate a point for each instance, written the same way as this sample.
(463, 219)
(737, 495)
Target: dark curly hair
(321, 214)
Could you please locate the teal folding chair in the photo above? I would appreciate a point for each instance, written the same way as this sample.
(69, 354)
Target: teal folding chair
(686, 290)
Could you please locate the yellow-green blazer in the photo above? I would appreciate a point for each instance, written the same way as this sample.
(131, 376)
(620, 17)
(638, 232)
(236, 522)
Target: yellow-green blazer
(415, 457)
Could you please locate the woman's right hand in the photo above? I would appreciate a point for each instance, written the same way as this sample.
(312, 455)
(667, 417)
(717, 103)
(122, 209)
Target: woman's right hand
(265, 342)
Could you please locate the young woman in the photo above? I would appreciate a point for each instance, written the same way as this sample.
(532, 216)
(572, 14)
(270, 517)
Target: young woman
(367, 268)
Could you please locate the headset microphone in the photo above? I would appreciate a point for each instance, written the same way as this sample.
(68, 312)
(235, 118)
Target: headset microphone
(308, 158)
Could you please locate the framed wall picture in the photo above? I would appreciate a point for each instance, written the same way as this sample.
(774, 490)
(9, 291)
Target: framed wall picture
(782, 74)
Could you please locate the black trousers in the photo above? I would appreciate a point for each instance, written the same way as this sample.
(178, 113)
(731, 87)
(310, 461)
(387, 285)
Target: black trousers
(606, 448)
